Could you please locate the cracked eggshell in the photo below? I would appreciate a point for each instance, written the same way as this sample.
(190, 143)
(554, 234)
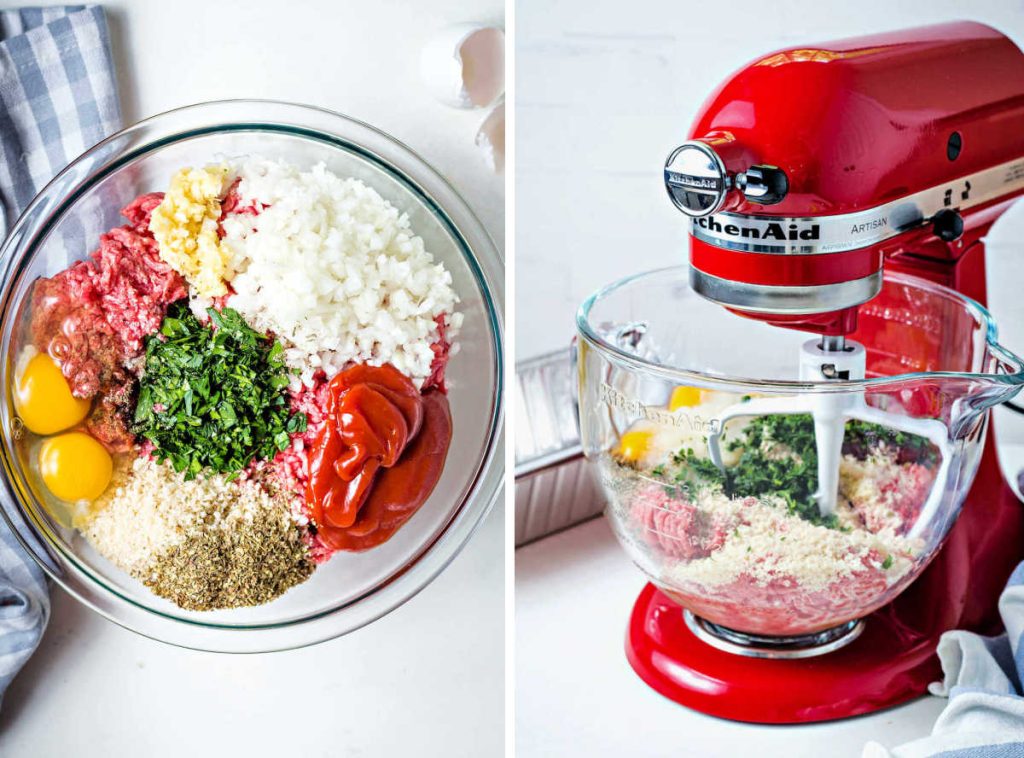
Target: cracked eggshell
(464, 65)
(491, 138)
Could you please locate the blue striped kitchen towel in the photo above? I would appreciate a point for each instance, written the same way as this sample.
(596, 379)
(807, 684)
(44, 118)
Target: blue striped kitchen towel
(58, 97)
(982, 679)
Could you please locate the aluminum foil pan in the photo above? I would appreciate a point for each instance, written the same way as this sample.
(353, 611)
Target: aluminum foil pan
(554, 487)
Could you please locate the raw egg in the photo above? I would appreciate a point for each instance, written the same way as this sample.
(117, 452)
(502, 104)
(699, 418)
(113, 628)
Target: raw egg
(43, 399)
(633, 445)
(75, 466)
(684, 397)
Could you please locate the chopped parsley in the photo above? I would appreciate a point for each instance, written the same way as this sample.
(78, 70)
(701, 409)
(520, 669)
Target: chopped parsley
(694, 471)
(213, 398)
(778, 457)
(862, 437)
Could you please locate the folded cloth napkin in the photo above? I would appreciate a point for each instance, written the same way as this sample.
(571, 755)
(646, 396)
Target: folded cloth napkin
(58, 97)
(985, 715)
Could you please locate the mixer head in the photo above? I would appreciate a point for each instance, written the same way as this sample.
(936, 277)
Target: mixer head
(811, 166)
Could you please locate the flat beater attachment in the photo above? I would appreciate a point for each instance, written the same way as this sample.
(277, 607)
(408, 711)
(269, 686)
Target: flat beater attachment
(833, 359)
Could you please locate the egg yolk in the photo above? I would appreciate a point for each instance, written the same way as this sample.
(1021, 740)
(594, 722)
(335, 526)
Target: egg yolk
(43, 399)
(75, 466)
(634, 445)
(684, 397)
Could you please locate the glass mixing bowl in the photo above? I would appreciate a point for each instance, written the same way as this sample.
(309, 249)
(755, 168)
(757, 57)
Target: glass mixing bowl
(744, 545)
(352, 589)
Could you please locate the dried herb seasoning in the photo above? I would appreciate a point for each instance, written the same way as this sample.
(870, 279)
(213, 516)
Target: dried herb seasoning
(250, 563)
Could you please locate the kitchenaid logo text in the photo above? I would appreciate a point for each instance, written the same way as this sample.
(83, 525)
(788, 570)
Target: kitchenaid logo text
(694, 182)
(633, 407)
(763, 231)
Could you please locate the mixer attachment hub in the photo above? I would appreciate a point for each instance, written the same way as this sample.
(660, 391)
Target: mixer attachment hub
(764, 185)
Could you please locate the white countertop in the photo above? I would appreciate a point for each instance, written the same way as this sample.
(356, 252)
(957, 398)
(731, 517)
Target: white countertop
(577, 696)
(426, 680)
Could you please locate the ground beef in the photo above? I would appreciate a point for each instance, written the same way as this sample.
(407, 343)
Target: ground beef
(753, 565)
(291, 466)
(902, 492)
(93, 316)
(108, 420)
(784, 608)
(678, 528)
(442, 350)
(232, 204)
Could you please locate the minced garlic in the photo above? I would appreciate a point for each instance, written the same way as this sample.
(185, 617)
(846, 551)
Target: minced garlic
(185, 227)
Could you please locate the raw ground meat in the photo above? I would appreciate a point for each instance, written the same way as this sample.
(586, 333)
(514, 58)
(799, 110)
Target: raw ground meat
(677, 528)
(784, 608)
(108, 419)
(292, 465)
(232, 204)
(903, 491)
(442, 349)
(678, 531)
(93, 316)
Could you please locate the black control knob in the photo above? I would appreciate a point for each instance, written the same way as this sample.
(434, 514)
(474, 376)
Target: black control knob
(764, 185)
(948, 225)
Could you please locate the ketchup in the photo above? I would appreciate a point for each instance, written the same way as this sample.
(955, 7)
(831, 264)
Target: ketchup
(378, 456)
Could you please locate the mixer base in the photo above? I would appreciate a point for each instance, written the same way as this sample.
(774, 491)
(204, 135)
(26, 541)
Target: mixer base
(761, 646)
(886, 664)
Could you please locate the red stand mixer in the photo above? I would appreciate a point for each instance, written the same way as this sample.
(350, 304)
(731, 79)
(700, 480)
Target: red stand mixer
(806, 174)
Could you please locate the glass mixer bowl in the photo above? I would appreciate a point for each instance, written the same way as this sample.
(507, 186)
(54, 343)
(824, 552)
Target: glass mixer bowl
(351, 589)
(744, 546)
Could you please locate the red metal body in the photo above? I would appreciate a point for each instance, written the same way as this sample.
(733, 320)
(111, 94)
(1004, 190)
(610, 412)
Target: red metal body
(856, 124)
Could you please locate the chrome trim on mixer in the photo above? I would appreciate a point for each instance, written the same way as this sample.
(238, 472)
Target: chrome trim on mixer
(817, 235)
(763, 646)
(797, 300)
